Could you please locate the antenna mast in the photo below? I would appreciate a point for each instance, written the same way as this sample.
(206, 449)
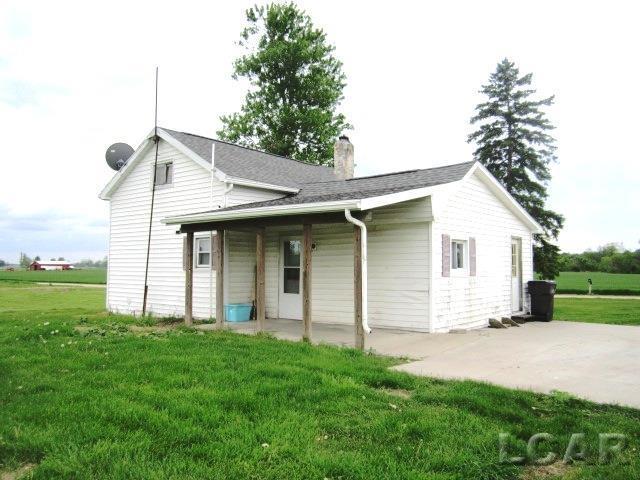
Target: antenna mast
(153, 197)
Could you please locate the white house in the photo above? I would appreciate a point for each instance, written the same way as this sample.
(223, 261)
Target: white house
(422, 250)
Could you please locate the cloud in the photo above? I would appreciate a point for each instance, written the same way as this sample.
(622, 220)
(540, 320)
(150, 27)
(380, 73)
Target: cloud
(51, 234)
(70, 85)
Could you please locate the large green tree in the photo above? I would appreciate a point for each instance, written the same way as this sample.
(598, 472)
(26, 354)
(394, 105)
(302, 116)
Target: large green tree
(296, 87)
(514, 143)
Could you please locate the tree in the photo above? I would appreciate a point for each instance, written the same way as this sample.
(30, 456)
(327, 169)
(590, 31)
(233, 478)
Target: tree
(25, 261)
(61, 259)
(296, 87)
(36, 258)
(514, 144)
(2, 263)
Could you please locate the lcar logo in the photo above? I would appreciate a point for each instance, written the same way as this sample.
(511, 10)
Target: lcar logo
(610, 445)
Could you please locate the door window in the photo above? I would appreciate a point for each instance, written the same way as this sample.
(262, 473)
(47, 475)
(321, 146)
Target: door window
(514, 259)
(291, 266)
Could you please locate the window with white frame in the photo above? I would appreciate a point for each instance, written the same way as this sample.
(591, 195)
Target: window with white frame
(203, 251)
(458, 254)
(164, 173)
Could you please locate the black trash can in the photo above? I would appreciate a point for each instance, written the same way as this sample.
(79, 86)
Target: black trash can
(542, 293)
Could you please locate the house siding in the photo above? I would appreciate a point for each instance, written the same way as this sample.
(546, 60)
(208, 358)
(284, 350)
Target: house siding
(399, 255)
(464, 301)
(192, 190)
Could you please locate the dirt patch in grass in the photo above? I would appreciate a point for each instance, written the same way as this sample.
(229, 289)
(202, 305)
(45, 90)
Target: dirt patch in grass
(556, 470)
(18, 473)
(119, 329)
(397, 392)
(160, 328)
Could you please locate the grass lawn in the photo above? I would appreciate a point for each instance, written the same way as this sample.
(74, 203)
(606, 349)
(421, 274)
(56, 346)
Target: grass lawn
(603, 283)
(85, 395)
(89, 275)
(598, 310)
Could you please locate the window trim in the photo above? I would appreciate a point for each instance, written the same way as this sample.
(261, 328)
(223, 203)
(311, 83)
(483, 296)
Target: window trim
(465, 256)
(164, 163)
(196, 257)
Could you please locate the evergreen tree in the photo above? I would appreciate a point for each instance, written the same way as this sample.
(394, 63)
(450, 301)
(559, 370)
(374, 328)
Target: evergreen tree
(296, 87)
(514, 144)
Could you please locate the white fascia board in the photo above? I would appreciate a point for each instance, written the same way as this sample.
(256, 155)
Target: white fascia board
(261, 185)
(501, 192)
(279, 210)
(121, 174)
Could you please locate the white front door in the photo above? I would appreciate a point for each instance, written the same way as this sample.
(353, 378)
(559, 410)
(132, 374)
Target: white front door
(290, 295)
(516, 275)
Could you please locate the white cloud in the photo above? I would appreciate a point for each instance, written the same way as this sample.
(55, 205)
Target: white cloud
(78, 76)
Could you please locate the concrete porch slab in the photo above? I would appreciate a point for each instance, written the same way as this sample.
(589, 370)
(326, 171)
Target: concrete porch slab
(592, 361)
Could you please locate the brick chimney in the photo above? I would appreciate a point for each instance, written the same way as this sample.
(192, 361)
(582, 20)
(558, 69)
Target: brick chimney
(343, 158)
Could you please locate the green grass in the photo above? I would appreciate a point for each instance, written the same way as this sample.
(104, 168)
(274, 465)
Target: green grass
(598, 310)
(603, 283)
(106, 402)
(89, 275)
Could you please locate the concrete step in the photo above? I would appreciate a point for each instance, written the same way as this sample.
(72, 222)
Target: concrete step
(495, 323)
(523, 318)
(508, 321)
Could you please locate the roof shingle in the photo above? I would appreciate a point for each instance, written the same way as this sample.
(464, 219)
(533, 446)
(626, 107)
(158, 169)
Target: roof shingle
(365, 187)
(237, 161)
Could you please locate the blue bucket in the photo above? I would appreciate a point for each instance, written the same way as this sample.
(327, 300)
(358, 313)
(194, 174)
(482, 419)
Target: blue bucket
(237, 312)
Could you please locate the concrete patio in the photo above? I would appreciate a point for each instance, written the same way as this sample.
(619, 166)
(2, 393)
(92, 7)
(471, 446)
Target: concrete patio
(592, 361)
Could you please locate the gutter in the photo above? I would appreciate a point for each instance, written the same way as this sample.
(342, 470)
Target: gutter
(363, 258)
(295, 209)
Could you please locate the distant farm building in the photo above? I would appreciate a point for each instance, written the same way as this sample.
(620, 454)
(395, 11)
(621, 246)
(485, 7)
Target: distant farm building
(51, 265)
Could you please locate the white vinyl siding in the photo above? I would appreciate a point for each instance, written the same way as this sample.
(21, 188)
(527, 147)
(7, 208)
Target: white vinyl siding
(191, 191)
(469, 300)
(399, 253)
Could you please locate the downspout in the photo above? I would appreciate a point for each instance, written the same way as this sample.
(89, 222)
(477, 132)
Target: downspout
(225, 240)
(211, 206)
(228, 189)
(365, 301)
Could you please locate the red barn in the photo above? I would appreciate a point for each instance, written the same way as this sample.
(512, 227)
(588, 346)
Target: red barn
(51, 265)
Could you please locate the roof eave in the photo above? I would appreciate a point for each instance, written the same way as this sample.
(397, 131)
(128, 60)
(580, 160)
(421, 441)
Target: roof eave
(261, 212)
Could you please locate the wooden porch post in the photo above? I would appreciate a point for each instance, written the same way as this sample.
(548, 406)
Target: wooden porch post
(220, 279)
(357, 287)
(260, 279)
(307, 241)
(188, 281)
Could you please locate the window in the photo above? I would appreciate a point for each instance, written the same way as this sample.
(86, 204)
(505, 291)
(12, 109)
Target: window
(164, 173)
(458, 260)
(291, 266)
(203, 252)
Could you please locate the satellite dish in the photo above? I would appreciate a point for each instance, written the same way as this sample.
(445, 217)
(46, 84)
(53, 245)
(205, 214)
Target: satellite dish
(118, 154)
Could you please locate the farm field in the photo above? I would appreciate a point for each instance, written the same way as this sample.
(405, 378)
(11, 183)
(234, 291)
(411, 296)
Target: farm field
(603, 283)
(88, 275)
(598, 310)
(87, 395)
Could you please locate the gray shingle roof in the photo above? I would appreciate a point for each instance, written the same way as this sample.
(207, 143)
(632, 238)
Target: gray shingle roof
(365, 187)
(237, 161)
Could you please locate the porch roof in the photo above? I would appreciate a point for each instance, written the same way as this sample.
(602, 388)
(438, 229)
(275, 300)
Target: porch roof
(360, 193)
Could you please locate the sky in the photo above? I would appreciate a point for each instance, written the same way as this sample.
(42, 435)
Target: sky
(76, 77)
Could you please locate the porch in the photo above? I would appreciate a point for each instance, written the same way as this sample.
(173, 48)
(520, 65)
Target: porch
(381, 340)
(291, 280)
